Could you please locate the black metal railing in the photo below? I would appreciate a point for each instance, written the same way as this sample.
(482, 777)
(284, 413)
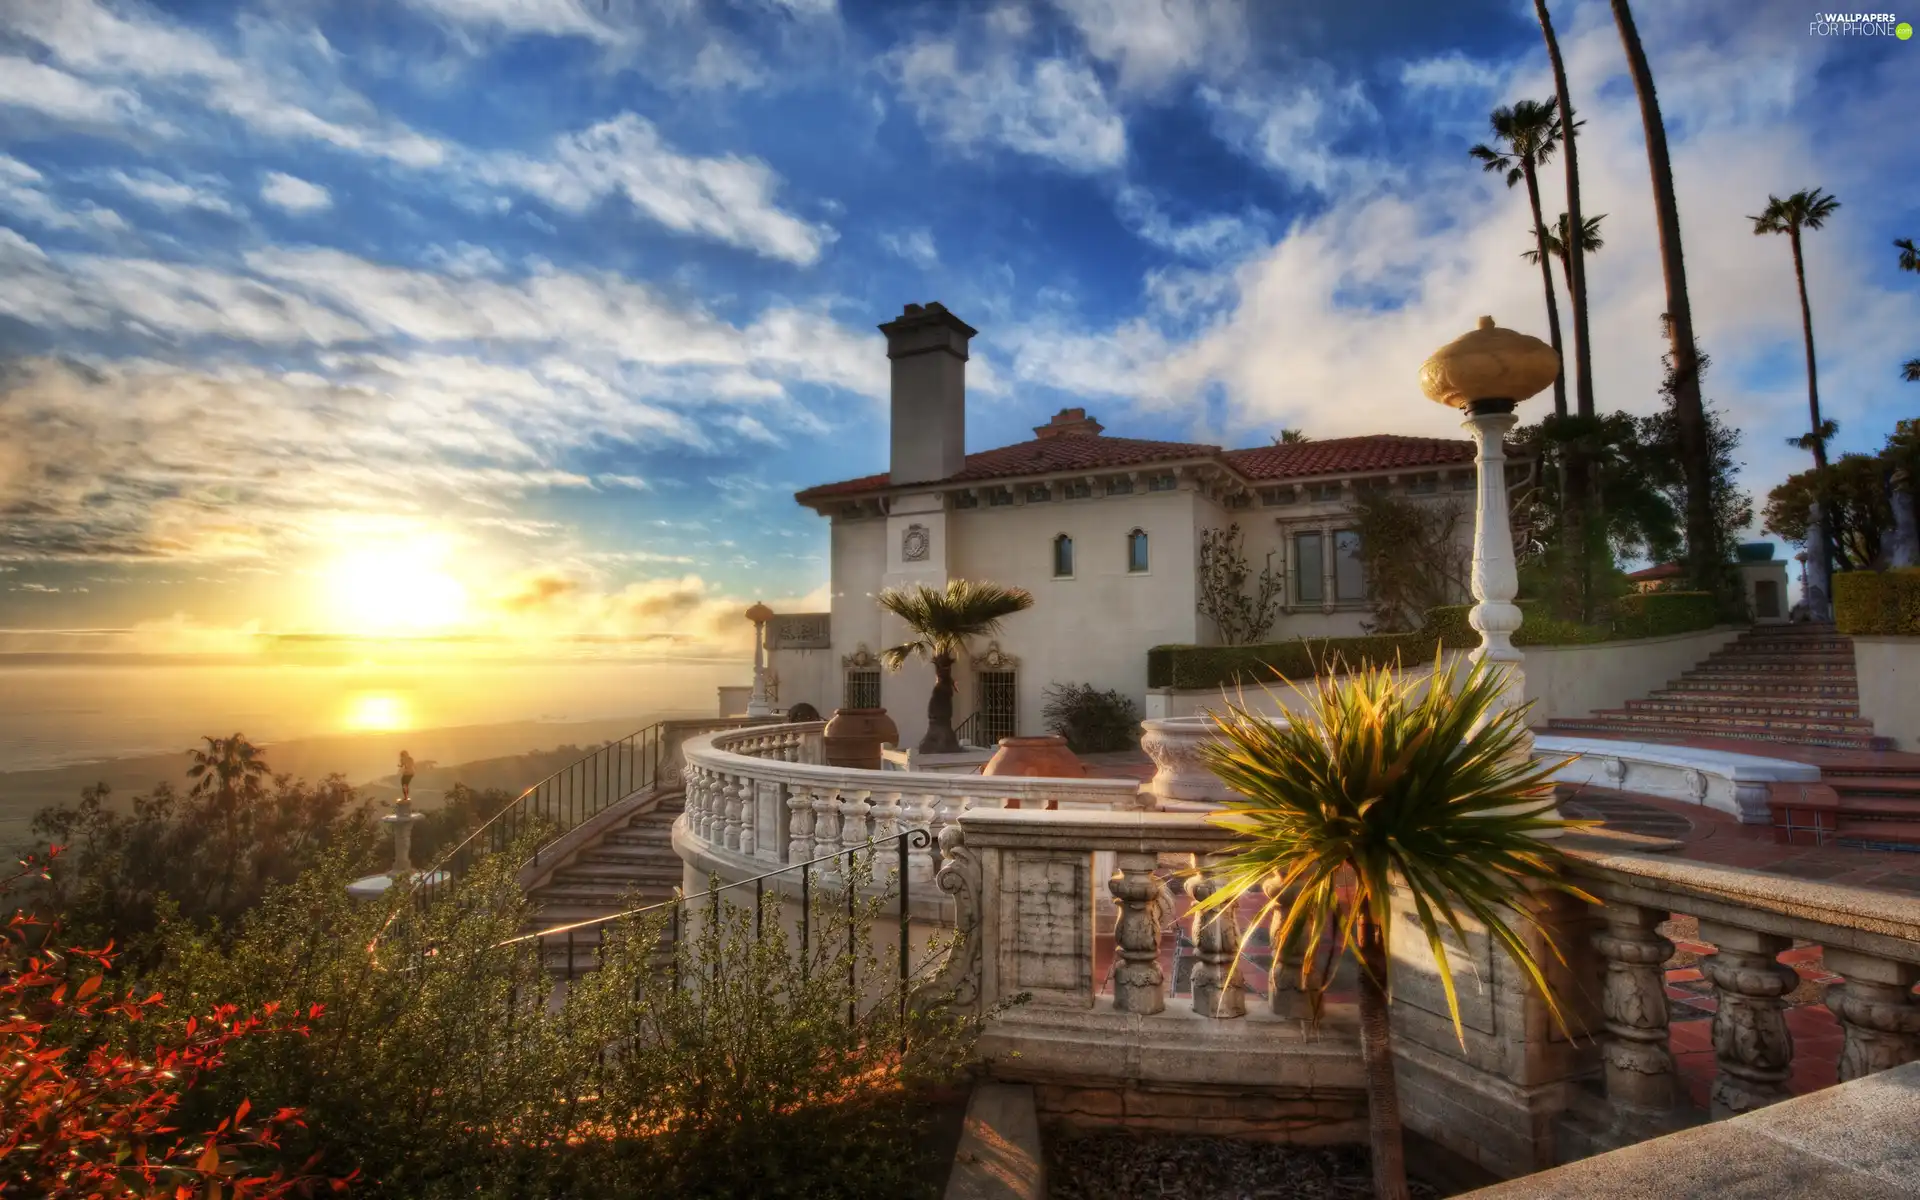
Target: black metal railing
(965, 730)
(567, 938)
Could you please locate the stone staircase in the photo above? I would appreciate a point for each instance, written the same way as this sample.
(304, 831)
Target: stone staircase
(1785, 684)
(632, 866)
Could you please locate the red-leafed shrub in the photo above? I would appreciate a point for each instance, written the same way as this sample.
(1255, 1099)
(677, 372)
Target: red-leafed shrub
(93, 1084)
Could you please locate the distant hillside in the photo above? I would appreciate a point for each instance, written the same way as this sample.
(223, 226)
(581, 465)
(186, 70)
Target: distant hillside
(511, 756)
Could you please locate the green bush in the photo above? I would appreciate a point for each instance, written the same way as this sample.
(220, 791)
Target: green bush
(1538, 627)
(1090, 719)
(1655, 614)
(1882, 602)
(1224, 666)
(444, 1064)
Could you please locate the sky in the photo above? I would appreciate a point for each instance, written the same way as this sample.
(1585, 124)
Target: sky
(518, 320)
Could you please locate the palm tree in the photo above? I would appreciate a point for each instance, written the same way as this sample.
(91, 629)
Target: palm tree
(229, 771)
(1577, 269)
(1689, 412)
(1555, 242)
(1384, 782)
(1804, 210)
(1530, 132)
(1909, 261)
(943, 621)
(1291, 437)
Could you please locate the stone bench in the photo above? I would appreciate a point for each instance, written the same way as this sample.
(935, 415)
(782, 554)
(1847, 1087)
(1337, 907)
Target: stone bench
(1737, 784)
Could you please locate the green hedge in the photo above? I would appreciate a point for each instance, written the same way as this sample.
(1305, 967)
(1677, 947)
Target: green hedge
(1223, 666)
(1648, 615)
(1884, 602)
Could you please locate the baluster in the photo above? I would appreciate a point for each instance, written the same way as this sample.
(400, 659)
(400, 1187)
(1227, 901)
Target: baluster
(1296, 971)
(826, 824)
(1750, 1036)
(1876, 1009)
(790, 747)
(731, 791)
(800, 825)
(1639, 1066)
(886, 818)
(853, 819)
(1139, 985)
(1217, 989)
(696, 779)
(919, 814)
(749, 815)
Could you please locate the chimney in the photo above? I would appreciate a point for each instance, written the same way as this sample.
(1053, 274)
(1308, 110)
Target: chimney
(928, 346)
(1069, 422)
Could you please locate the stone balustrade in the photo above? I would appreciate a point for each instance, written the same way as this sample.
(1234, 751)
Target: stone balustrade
(762, 796)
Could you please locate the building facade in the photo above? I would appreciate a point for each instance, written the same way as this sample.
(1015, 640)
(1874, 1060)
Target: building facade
(1104, 531)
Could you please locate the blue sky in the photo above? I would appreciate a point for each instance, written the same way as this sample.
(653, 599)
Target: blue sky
(528, 316)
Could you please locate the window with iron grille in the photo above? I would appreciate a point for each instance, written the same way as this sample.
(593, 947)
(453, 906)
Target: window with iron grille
(1079, 490)
(1162, 483)
(966, 500)
(1323, 491)
(995, 714)
(1423, 485)
(1349, 570)
(999, 498)
(1038, 493)
(1463, 481)
(1275, 497)
(863, 689)
(1120, 487)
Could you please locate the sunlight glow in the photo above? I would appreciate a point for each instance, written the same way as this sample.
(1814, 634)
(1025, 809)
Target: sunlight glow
(374, 711)
(395, 587)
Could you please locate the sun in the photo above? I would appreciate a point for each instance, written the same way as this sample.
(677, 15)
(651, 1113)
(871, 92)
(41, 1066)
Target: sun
(394, 588)
(378, 711)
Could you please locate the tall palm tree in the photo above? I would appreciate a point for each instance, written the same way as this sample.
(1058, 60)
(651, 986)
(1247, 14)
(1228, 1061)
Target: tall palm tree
(230, 772)
(1704, 553)
(1804, 210)
(1384, 782)
(1577, 269)
(943, 621)
(1555, 242)
(1291, 437)
(1529, 131)
(1909, 261)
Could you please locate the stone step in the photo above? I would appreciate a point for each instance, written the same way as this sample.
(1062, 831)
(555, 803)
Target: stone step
(1746, 706)
(1879, 835)
(1784, 724)
(612, 854)
(599, 896)
(1775, 659)
(1730, 686)
(587, 870)
(1831, 643)
(1625, 728)
(1848, 785)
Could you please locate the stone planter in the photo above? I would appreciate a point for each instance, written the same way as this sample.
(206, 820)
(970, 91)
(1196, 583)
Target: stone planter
(854, 736)
(1181, 780)
(1035, 756)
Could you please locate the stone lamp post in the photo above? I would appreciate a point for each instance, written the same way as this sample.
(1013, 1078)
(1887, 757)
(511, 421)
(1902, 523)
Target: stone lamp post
(758, 704)
(1486, 373)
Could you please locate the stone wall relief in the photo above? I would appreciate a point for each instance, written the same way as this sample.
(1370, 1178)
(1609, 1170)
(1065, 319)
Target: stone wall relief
(916, 544)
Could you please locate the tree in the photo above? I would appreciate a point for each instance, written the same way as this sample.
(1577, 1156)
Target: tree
(943, 622)
(1731, 508)
(1909, 261)
(1555, 242)
(1414, 554)
(1853, 493)
(230, 770)
(1389, 783)
(1577, 272)
(1292, 437)
(1693, 438)
(1530, 132)
(1241, 618)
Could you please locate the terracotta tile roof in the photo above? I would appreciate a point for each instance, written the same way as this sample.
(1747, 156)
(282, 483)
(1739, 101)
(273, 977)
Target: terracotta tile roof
(1056, 453)
(1342, 456)
(1658, 571)
(1040, 456)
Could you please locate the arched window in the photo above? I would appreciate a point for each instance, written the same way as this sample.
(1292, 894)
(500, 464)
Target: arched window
(1137, 551)
(1062, 557)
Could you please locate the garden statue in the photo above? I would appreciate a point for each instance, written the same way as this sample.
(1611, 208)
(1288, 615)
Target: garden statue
(406, 776)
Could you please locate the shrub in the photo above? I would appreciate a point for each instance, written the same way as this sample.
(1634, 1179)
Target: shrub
(1090, 719)
(1878, 602)
(1226, 666)
(1538, 627)
(446, 1065)
(1656, 614)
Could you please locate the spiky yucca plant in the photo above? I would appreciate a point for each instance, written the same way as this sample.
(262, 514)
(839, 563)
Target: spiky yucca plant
(1374, 785)
(943, 621)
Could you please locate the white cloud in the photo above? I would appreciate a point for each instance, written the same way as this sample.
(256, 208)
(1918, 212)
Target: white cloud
(23, 192)
(293, 194)
(1051, 108)
(175, 195)
(1217, 238)
(557, 18)
(1450, 72)
(1153, 42)
(914, 245)
(54, 93)
(729, 199)
(464, 260)
(1293, 127)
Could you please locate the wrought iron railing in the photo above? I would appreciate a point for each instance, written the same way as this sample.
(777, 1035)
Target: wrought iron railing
(967, 729)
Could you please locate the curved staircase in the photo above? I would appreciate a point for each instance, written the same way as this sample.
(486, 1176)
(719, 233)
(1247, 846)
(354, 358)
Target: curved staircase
(631, 866)
(1786, 691)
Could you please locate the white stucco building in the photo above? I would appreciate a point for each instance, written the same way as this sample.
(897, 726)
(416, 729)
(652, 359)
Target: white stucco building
(1104, 531)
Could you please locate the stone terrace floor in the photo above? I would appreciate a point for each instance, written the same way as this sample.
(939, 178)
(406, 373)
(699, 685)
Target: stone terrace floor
(1705, 835)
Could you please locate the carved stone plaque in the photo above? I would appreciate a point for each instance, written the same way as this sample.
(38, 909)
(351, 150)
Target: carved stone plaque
(1047, 929)
(800, 631)
(915, 544)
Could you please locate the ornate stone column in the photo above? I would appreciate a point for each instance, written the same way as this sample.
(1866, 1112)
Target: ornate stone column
(760, 704)
(1293, 990)
(1139, 985)
(1640, 1072)
(1750, 1036)
(799, 825)
(1217, 990)
(1877, 1010)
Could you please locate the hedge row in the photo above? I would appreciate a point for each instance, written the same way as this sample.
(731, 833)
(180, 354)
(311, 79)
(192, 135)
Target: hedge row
(1649, 615)
(1886, 602)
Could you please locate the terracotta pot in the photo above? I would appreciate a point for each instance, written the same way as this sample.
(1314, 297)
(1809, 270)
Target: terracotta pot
(1035, 756)
(854, 736)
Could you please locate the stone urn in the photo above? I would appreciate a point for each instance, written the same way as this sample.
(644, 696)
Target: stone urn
(1035, 756)
(1180, 780)
(854, 736)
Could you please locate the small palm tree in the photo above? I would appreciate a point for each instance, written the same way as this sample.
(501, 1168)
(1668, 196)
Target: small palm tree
(1526, 135)
(1292, 437)
(1555, 241)
(1804, 210)
(943, 622)
(1375, 785)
